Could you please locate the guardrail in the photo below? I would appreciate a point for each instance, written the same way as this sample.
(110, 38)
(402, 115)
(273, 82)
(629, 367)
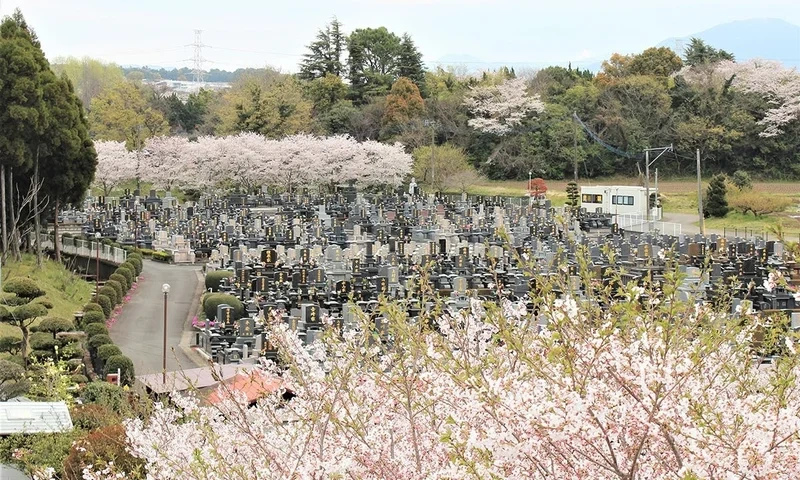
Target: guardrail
(86, 248)
(637, 223)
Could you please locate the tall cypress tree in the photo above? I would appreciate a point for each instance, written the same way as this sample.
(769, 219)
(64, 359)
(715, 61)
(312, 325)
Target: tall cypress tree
(22, 117)
(409, 63)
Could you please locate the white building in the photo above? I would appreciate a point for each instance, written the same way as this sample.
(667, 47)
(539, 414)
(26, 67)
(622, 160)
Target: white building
(620, 200)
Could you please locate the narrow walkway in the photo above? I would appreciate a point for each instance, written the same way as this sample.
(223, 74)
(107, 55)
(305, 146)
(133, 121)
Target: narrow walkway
(139, 329)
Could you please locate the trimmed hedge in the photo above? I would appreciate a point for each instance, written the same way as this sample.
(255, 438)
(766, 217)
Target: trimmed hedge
(71, 350)
(97, 341)
(54, 325)
(137, 263)
(23, 287)
(124, 364)
(42, 341)
(104, 352)
(93, 307)
(164, 257)
(126, 270)
(93, 317)
(213, 279)
(118, 288)
(111, 294)
(123, 280)
(212, 300)
(93, 329)
(105, 302)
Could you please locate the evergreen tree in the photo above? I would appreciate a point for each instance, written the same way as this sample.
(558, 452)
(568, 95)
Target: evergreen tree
(23, 68)
(716, 203)
(325, 53)
(699, 52)
(573, 195)
(409, 63)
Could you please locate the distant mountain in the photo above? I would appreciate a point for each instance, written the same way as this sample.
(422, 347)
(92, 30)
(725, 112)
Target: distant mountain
(767, 38)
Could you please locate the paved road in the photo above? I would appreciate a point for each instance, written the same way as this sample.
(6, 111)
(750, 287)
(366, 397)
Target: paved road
(139, 329)
(689, 225)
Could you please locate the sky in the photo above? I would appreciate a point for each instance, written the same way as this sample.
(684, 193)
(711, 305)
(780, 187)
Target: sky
(257, 33)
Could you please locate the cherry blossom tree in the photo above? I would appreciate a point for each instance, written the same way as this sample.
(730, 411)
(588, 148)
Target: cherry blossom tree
(166, 162)
(647, 387)
(115, 164)
(499, 109)
(779, 85)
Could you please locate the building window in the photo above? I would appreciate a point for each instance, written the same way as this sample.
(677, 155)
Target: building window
(589, 198)
(622, 199)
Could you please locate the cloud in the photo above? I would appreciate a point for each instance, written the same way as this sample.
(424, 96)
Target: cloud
(585, 54)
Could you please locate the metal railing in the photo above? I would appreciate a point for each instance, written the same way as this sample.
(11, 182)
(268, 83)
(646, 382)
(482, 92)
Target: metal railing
(86, 248)
(638, 223)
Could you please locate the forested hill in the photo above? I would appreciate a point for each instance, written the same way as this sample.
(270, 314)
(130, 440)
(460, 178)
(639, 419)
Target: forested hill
(371, 83)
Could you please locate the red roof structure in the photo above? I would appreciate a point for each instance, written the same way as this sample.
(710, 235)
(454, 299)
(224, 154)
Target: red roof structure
(254, 384)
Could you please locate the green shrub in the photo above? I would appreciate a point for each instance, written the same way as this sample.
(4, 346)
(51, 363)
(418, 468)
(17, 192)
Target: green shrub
(213, 279)
(93, 329)
(93, 317)
(122, 363)
(13, 301)
(107, 351)
(105, 302)
(93, 307)
(80, 380)
(70, 351)
(42, 341)
(130, 266)
(54, 325)
(98, 447)
(111, 294)
(42, 355)
(123, 280)
(213, 300)
(10, 344)
(126, 271)
(96, 341)
(44, 302)
(92, 416)
(164, 257)
(716, 202)
(117, 288)
(106, 394)
(23, 287)
(137, 263)
(742, 180)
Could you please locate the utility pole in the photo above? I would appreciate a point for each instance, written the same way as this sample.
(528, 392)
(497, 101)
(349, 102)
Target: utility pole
(575, 152)
(647, 164)
(700, 196)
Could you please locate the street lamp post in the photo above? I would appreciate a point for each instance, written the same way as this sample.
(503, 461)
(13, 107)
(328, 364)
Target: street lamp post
(530, 197)
(165, 290)
(97, 267)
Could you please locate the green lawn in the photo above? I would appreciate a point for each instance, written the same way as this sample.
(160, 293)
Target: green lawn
(68, 292)
(737, 222)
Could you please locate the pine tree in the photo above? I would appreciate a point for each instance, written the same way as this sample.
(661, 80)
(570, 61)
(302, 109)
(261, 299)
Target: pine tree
(716, 203)
(325, 55)
(409, 63)
(573, 195)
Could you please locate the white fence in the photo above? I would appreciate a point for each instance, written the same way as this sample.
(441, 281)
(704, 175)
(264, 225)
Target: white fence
(86, 248)
(638, 223)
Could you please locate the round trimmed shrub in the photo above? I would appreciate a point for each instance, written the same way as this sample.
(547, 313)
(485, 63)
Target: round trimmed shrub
(129, 265)
(107, 351)
(96, 341)
(137, 264)
(117, 288)
(93, 317)
(41, 355)
(126, 272)
(122, 279)
(105, 302)
(93, 329)
(213, 279)
(23, 287)
(213, 300)
(111, 294)
(44, 302)
(54, 325)
(124, 364)
(42, 341)
(13, 301)
(92, 307)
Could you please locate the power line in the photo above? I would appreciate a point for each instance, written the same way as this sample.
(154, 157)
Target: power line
(198, 57)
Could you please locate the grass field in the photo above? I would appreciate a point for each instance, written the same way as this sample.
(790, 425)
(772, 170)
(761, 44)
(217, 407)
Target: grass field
(678, 196)
(68, 292)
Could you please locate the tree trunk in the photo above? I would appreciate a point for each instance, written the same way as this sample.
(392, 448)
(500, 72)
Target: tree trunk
(37, 221)
(14, 218)
(3, 206)
(56, 238)
(23, 348)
